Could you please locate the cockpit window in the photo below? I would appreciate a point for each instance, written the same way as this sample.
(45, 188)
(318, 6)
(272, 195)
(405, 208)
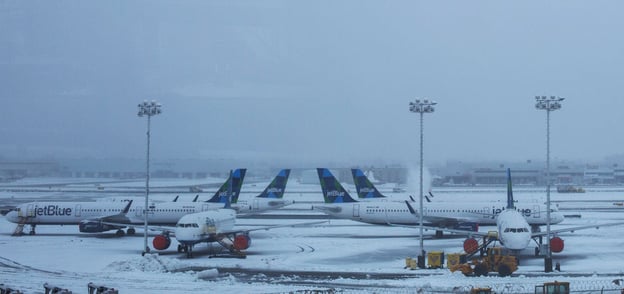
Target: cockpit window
(516, 230)
(191, 225)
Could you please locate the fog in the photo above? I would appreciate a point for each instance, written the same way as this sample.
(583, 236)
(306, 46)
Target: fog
(310, 82)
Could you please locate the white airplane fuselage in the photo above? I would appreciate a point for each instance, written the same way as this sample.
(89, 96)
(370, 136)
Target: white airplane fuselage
(63, 213)
(159, 213)
(387, 212)
(257, 204)
(204, 226)
(514, 231)
(67, 213)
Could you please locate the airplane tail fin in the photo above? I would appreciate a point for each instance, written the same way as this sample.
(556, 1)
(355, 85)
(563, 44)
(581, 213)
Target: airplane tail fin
(510, 200)
(363, 185)
(276, 188)
(333, 192)
(236, 181)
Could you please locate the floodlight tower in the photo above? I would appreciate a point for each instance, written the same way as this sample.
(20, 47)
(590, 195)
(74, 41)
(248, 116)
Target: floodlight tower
(421, 107)
(549, 104)
(148, 109)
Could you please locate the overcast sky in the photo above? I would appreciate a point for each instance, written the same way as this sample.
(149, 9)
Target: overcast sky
(311, 81)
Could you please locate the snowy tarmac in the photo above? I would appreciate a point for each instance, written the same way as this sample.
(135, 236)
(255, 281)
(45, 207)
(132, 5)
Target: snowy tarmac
(340, 255)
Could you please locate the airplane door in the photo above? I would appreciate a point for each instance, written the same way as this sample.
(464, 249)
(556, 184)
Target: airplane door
(78, 211)
(139, 211)
(356, 210)
(536, 211)
(256, 204)
(205, 207)
(486, 214)
(30, 212)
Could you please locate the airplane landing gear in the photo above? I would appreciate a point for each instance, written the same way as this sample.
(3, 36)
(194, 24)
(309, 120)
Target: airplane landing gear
(32, 230)
(189, 251)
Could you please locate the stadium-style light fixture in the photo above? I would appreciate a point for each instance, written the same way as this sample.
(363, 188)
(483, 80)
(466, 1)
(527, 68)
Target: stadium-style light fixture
(549, 104)
(421, 107)
(148, 109)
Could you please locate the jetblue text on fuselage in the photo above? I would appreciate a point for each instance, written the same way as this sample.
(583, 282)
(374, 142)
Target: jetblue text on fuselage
(524, 212)
(274, 190)
(52, 210)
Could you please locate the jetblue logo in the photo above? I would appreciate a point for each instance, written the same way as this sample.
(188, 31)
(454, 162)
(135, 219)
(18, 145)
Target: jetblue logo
(52, 210)
(335, 194)
(525, 212)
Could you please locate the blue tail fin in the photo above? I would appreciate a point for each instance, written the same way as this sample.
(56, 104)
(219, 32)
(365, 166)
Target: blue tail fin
(276, 188)
(363, 185)
(236, 181)
(333, 192)
(510, 200)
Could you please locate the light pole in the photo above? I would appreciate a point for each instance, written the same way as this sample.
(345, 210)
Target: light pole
(421, 107)
(548, 104)
(148, 109)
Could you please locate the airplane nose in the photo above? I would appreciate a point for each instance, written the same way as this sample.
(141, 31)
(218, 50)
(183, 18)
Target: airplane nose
(12, 216)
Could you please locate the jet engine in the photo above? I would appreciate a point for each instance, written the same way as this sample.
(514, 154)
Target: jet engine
(92, 226)
(161, 242)
(241, 242)
(471, 245)
(556, 244)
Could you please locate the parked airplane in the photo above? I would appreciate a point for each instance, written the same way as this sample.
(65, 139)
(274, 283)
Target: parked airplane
(513, 230)
(102, 216)
(468, 215)
(84, 214)
(97, 217)
(212, 226)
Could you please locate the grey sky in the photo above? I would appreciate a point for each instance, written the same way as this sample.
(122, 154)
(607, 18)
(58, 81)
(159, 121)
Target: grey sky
(310, 81)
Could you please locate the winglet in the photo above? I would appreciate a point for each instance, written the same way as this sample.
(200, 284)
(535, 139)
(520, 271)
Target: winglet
(411, 209)
(276, 188)
(195, 199)
(363, 186)
(510, 201)
(127, 208)
(333, 192)
(176, 198)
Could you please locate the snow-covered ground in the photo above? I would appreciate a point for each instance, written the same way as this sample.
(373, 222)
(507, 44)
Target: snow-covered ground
(342, 255)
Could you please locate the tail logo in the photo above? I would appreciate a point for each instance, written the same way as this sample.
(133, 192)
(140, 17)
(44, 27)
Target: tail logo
(335, 193)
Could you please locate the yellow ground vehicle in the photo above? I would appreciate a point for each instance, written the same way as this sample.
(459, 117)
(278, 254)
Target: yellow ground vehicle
(494, 261)
(553, 288)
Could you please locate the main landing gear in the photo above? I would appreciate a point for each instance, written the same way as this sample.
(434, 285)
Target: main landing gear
(187, 249)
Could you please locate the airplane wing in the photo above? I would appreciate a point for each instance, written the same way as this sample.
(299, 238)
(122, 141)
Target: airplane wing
(445, 229)
(444, 221)
(118, 219)
(169, 230)
(573, 229)
(237, 231)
